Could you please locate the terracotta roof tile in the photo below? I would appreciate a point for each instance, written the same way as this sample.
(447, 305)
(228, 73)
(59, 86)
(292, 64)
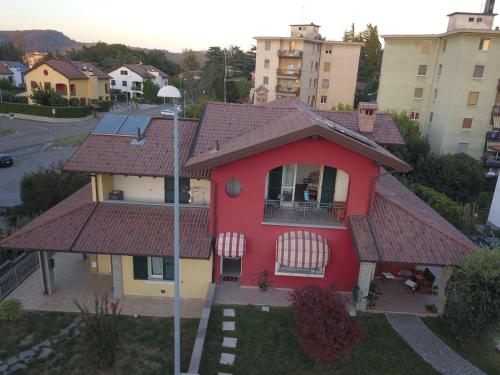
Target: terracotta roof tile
(4, 68)
(143, 70)
(82, 66)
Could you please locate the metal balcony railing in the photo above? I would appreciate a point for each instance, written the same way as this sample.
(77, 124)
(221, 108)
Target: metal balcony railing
(287, 90)
(490, 161)
(493, 135)
(289, 53)
(292, 73)
(304, 213)
(17, 274)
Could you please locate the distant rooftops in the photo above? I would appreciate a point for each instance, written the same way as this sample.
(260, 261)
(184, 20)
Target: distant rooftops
(145, 70)
(4, 68)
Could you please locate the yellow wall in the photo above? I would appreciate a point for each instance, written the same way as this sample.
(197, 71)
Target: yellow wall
(99, 263)
(195, 274)
(104, 186)
(140, 189)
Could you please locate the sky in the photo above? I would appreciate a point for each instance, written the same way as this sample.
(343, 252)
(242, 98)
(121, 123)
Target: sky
(199, 24)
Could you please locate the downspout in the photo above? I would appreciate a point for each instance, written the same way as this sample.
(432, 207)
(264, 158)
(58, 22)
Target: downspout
(432, 85)
(213, 208)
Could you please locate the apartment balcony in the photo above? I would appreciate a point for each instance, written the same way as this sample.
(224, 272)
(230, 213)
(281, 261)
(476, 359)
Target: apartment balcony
(288, 91)
(495, 115)
(288, 73)
(493, 135)
(289, 53)
(304, 213)
(490, 161)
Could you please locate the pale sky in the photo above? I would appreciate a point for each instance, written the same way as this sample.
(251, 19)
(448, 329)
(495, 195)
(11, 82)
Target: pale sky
(198, 24)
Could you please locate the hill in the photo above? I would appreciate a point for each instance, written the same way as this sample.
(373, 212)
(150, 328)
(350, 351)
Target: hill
(39, 40)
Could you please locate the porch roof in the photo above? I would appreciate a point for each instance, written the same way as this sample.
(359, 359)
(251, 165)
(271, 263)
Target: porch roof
(81, 225)
(401, 228)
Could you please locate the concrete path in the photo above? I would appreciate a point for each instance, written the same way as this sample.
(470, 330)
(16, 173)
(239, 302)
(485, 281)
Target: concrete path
(429, 346)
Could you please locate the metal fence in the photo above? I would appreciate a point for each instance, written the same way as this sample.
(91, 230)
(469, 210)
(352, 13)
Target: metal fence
(311, 213)
(17, 274)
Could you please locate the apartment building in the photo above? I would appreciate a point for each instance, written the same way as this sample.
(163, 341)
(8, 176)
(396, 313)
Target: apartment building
(321, 73)
(447, 82)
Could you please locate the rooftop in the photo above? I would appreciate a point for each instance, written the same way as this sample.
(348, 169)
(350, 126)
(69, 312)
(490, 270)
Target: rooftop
(144, 70)
(73, 69)
(4, 68)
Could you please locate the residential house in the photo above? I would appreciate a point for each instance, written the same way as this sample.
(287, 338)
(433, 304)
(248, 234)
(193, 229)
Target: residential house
(6, 73)
(448, 82)
(32, 58)
(321, 73)
(18, 69)
(129, 78)
(71, 79)
(282, 189)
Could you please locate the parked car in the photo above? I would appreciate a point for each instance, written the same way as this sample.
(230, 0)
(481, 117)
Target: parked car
(6, 161)
(167, 112)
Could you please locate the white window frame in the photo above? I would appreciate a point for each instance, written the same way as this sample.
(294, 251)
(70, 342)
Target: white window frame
(297, 273)
(415, 91)
(418, 70)
(151, 275)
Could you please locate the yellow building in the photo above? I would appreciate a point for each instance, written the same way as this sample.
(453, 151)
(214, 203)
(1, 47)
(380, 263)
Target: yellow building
(71, 79)
(447, 82)
(322, 73)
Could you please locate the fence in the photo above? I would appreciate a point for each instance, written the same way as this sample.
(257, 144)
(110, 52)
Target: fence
(17, 274)
(304, 213)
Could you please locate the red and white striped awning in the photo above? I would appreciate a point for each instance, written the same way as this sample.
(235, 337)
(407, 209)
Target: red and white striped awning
(231, 244)
(301, 249)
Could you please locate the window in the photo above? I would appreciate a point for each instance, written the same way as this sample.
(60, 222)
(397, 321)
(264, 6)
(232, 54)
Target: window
(326, 66)
(153, 268)
(323, 100)
(325, 83)
(315, 82)
(233, 187)
(471, 19)
(266, 63)
(184, 190)
(467, 123)
(418, 93)
(431, 117)
(106, 88)
(123, 72)
(414, 115)
(478, 72)
(61, 89)
(422, 70)
(33, 84)
(288, 271)
(72, 89)
(46, 85)
(316, 66)
(265, 81)
(267, 45)
(462, 147)
(113, 82)
(310, 82)
(479, 19)
(328, 50)
(472, 98)
(484, 44)
(435, 96)
(445, 42)
(124, 83)
(440, 69)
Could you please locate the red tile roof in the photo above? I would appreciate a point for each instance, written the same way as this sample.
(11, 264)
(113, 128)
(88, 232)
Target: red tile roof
(401, 228)
(78, 224)
(73, 69)
(84, 66)
(115, 154)
(144, 70)
(4, 68)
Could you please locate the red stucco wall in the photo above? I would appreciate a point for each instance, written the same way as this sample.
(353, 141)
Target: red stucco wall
(245, 213)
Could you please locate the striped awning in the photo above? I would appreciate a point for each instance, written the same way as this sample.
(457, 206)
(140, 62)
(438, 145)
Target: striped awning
(231, 244)
(301, 249)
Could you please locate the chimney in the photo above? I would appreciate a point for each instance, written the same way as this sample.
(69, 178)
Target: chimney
(488, 7)
(366, 116)
(139, 136)
(216, 147)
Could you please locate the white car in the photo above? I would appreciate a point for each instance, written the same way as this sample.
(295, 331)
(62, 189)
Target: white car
(167, 112)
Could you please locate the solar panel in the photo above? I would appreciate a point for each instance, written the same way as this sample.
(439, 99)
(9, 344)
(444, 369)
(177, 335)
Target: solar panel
(109, 124)
(131, 124)
(352, 134)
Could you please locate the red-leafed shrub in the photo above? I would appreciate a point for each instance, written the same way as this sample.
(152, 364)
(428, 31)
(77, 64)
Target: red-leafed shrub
(323, 326)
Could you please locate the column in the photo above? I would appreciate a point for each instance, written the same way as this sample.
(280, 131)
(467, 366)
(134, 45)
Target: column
(366, 272)
(116, 271)
(46, 261)
(441, 296)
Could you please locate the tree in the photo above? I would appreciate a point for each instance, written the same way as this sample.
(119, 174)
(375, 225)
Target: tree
(189, 60)
(342, 107)
(9, 51)
(150, 91)
(473, 308)
(47, 96)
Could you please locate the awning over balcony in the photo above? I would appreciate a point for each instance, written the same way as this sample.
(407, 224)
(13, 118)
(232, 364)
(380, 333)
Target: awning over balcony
(301, 249)
(231, 244)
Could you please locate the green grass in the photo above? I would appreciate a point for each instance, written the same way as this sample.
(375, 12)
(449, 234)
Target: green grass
(267, 346)
(73, 141)
(146, 347)
(33, 328)
(481, 355)
(5, 132)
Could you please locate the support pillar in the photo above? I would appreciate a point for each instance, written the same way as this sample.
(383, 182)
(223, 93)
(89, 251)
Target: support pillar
(366, 273)
(117, 272)
(441, 295)
(46, 261)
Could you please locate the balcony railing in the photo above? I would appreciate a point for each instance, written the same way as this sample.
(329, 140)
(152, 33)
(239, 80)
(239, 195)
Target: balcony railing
(493, 135)
(490, 161)
(304, 213)
(292, 73)
(289, 53)
(287, 90)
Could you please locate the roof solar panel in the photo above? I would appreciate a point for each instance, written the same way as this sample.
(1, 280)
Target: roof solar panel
(339, 128)
(131, 124)
(109, 124)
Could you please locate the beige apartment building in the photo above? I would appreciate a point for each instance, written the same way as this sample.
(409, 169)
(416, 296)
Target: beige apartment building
(319, 72)
(447, 82)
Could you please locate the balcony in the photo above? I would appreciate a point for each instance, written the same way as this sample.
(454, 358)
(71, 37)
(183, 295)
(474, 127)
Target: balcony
(289, 53)
(304, 213)
(493, 136)
(290, 91)
(288, 73)
(490, 161)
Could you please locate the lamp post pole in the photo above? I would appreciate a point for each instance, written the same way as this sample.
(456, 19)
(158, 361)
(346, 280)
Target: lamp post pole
(177, 322)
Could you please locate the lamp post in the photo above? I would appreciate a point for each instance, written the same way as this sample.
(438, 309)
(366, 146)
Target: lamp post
(173, 92)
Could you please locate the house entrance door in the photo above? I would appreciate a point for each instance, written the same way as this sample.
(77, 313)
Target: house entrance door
(231, 268)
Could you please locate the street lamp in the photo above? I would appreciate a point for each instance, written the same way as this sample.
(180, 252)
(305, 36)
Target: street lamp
(173, 92)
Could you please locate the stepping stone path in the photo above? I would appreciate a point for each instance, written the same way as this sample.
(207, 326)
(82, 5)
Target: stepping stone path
(227, 359)
(40, 351)
(265, 308)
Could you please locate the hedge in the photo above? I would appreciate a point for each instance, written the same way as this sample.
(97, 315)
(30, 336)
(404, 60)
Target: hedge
(104, 106)
(37, 110)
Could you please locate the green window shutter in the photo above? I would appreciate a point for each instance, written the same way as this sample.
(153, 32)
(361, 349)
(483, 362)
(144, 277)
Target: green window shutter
(169, 190)
(328, 185)
(274, 183)
(140, 268)
(184, 186)
(168, 268)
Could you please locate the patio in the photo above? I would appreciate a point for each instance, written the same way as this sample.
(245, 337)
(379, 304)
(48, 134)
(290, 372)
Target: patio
(74, 281)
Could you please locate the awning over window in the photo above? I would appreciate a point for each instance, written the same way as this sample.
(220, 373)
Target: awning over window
(231, 244)
(300, 249)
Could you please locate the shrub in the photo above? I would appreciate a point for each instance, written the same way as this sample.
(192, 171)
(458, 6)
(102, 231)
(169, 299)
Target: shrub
(10, 310)
(323, 326)
(473, 308)
(104, 105)
(100, 330)
(38, 110)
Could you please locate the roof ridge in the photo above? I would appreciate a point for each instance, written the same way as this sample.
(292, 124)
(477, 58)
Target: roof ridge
(429, 224)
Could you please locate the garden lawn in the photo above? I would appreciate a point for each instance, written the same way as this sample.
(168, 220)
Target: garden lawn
(481, 355)
(31, 329)
(73, 141)
(146, 348)
(266, 345)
